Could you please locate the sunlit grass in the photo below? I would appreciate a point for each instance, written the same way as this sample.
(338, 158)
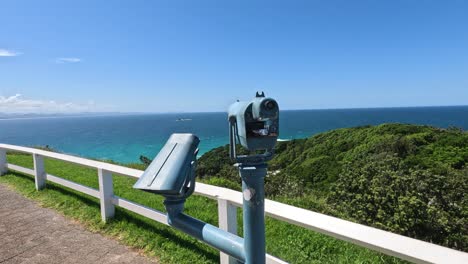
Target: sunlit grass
(288, 242)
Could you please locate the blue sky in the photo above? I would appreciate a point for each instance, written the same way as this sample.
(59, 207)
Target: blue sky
(176, 56)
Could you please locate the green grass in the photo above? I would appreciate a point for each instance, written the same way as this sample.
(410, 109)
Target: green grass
(288, 242)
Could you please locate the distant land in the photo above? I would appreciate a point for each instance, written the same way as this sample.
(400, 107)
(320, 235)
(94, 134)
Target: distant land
(4, 115)
(33, 115)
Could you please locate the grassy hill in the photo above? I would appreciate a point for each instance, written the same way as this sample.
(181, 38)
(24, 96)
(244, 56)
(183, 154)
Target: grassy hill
(288, 242)
(406, 179)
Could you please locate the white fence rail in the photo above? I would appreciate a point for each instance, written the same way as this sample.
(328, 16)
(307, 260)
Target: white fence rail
(228, 200)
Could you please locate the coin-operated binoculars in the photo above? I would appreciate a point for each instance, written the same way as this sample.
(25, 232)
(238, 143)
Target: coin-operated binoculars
(255, 125)
(171, 174)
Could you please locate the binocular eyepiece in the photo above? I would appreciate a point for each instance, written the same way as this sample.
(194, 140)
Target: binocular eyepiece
(254, 124)
(270, 105)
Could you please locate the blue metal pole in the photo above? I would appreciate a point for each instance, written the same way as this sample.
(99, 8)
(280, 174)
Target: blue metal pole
(254, 211)
(213, 236)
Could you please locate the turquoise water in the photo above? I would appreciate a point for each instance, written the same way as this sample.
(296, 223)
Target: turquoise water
(124, 138)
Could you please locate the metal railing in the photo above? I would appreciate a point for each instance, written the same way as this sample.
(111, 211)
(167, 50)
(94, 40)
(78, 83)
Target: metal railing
(228, 201)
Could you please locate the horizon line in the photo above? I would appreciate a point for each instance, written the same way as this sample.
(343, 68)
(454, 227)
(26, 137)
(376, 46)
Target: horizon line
(38, 115)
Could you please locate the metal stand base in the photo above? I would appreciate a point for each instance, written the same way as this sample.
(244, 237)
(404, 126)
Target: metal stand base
(253, 177)
(251, 248)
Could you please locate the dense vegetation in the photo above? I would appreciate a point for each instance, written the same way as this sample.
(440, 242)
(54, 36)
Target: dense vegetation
(406, 179)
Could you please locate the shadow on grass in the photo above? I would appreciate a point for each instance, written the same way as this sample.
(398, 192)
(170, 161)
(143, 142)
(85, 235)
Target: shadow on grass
(122, 214)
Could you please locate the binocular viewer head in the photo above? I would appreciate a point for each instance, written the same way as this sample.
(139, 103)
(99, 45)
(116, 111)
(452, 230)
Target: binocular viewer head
(172, 171)
(255, 124)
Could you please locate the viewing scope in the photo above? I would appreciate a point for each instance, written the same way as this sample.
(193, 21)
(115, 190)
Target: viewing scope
(172, 171)
(254, 125)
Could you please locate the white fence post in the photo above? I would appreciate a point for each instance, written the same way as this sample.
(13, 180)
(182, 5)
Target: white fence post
(3, 162)
(106, 193)
(227, 215)
(39, 172)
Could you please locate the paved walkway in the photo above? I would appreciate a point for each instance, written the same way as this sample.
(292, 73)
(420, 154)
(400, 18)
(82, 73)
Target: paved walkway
(32, 234)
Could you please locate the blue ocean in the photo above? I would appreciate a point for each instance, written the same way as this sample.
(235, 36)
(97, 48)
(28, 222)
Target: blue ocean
(124, 138)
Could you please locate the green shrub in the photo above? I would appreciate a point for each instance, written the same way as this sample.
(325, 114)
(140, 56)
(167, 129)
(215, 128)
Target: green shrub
(381, 191)
(408, 179)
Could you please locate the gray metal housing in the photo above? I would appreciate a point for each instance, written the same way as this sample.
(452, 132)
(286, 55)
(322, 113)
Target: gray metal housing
(256, 122)
(173, 168)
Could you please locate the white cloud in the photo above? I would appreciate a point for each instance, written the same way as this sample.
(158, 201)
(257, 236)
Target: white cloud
(9, 53)
(17, 104)
(67, 60)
